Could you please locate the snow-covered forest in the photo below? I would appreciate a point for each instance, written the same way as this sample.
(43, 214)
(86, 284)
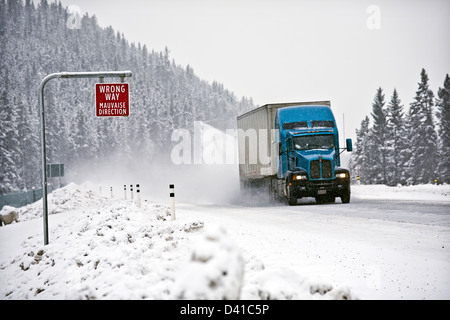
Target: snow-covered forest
(405, 146)
(395, 144)
(37, 40)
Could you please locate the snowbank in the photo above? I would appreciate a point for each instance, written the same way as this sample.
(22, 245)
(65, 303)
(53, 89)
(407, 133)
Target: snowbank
(61, 200)
(8, 215)
(103, 248)
(214, 271)
(427, 192)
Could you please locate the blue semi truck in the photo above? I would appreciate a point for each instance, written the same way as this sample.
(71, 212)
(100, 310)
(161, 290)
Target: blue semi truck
(291, 151)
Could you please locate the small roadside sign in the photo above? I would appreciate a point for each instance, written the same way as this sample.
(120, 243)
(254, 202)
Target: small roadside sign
(55, 170)
(112, 100)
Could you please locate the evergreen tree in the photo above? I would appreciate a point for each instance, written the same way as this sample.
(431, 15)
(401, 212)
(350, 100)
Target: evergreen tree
(396, 141)
(35, 41)
(361, 156)
(9, 145)
(378, 136)
(443, 104)
(23, 134)
(422, 135)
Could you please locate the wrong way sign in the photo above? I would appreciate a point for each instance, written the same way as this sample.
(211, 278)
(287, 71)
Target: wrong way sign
(112, 100)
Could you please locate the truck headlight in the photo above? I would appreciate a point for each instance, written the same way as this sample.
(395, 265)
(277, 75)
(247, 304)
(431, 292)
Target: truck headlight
(300, 177)
(342, 175)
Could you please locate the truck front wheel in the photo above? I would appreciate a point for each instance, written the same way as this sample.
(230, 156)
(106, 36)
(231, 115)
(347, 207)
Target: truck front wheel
(345, 198)
(291, 196)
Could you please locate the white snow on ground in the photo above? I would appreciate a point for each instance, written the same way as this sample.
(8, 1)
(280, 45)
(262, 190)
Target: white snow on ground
(427, 192)
(103, 248)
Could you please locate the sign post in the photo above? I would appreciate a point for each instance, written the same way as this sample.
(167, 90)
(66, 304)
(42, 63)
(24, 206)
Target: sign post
(63, 75)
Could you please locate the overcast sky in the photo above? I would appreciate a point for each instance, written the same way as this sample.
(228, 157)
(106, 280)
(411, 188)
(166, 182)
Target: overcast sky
(292, 50)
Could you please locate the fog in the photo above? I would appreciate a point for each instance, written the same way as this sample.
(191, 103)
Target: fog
(209, 181)
(202, 165)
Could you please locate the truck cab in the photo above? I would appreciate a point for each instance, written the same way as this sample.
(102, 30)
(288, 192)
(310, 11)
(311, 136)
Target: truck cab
(309, 154)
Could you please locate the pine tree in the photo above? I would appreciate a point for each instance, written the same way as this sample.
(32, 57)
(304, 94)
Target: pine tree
(78, 140)
(9, 145)
(361, 157)
(378, 136)
(35, 41)
(396, 141)
(443, 104)
(422, 135)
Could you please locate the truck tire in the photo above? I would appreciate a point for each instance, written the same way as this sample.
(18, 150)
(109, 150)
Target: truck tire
(318, 200)
(345, 198)
(291, 197)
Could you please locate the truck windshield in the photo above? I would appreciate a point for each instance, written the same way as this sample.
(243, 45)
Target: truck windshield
(321, 141)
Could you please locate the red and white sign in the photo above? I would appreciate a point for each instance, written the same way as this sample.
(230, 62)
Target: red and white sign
(112, 100)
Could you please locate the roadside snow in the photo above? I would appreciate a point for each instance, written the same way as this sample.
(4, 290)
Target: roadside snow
(102, 248)
(426, 192)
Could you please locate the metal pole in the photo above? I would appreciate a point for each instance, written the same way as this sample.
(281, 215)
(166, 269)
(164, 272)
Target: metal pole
(63, 75)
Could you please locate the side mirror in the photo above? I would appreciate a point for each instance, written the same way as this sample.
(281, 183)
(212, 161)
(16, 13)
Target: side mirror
(349, 145)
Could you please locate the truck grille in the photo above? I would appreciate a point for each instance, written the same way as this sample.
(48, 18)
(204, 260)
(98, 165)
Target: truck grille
(315, 169)
(327, 170)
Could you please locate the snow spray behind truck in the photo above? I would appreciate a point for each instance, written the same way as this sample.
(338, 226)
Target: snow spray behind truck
(290, 151)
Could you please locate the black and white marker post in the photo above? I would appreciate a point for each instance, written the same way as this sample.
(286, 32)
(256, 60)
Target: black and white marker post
(125, 191)
(172, 200)
(138, 196)
(131, 190)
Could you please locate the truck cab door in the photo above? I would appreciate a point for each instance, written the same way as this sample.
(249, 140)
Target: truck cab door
(290, 154)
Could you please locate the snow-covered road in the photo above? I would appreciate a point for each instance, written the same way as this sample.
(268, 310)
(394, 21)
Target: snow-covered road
(388, 243)
(393, 247)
